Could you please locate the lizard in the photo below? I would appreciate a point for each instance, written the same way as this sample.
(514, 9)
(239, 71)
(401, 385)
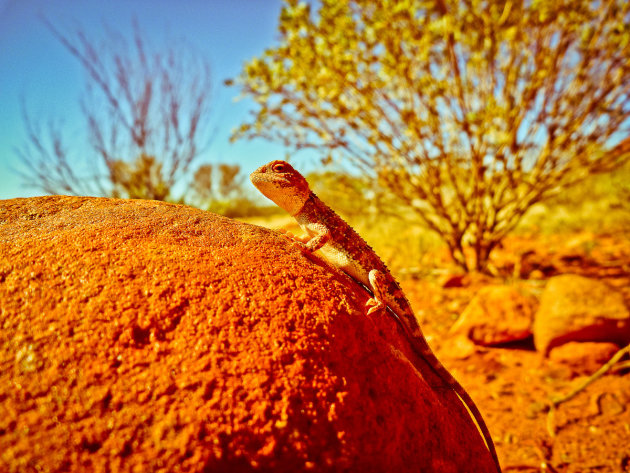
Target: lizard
(343, 247)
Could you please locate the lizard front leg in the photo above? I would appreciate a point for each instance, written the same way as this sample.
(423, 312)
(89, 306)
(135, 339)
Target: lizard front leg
(318, 236)
(377, 284)
(321, 236)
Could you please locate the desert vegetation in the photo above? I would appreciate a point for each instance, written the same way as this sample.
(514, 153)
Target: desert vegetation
(469, 113)
(148, 119)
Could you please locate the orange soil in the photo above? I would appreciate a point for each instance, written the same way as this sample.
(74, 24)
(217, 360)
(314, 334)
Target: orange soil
(513, 386)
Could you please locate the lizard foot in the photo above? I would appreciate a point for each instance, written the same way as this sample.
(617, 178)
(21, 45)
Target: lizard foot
(374, 305)
(296, 242)
(291, 237)
(298, 245)
(377, 283)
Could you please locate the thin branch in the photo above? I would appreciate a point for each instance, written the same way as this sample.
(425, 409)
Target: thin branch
(605, 368)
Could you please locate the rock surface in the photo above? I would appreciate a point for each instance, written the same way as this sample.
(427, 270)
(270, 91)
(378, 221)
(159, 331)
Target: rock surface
(497, 315)
(575, 308)
(583, 358)
(143, 336)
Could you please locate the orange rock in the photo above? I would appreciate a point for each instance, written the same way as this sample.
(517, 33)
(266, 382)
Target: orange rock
(575, 308)
(583, 358)
(143, 336)
(497, 315)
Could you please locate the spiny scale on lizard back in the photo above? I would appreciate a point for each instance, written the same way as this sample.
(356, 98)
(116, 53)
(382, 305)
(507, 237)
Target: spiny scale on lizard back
(346, 241)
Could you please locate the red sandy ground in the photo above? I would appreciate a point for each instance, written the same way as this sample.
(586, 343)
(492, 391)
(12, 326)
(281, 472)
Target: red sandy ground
(513, 386)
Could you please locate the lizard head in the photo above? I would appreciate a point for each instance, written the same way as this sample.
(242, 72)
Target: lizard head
(281, 183)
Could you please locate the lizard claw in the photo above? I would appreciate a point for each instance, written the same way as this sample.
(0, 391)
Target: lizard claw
(298, 245)
(290, 236)
(294, 241)
(374, 305)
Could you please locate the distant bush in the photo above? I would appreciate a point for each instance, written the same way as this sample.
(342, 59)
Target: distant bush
(146, 121)
(242, 208)
(599, 204)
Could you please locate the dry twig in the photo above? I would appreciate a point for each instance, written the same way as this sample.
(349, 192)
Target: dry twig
(571, 394)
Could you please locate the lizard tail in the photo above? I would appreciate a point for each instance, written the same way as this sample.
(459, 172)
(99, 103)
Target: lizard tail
(422, 348)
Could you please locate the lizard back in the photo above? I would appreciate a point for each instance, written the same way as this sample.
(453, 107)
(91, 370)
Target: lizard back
(348, 251)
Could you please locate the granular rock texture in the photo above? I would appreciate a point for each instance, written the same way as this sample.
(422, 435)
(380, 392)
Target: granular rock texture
(576, 308)
(143, 336)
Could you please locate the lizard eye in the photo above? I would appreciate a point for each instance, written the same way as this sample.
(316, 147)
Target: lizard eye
(280, 167)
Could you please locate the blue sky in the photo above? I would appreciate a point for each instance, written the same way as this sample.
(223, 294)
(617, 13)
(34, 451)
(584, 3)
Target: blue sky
(35, 66)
